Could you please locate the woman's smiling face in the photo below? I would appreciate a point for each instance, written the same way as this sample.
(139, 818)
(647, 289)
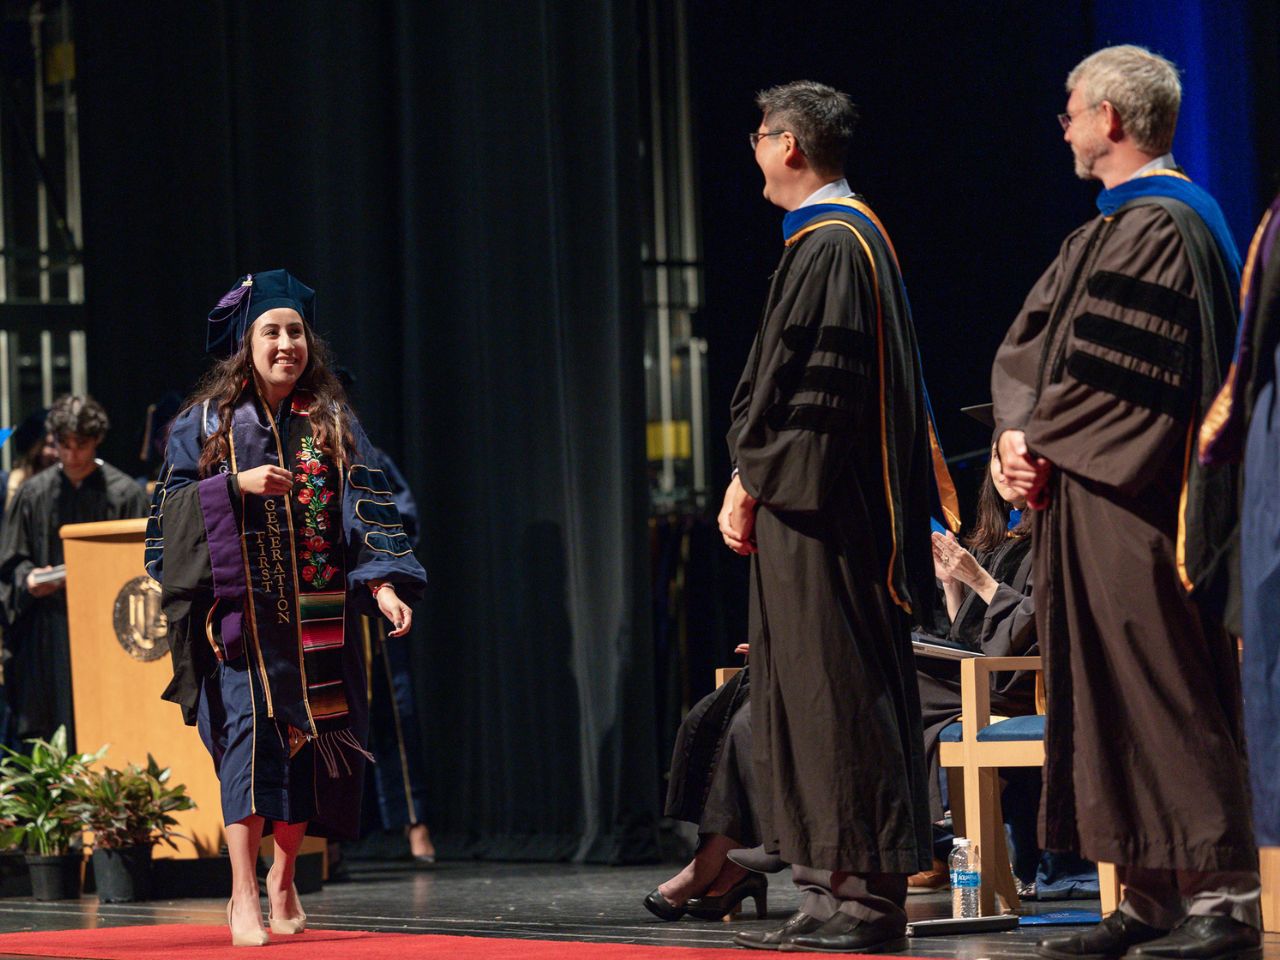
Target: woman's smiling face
(278, 341)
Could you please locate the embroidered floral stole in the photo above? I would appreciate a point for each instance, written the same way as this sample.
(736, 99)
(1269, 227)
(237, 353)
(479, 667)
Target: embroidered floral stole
(292, 546)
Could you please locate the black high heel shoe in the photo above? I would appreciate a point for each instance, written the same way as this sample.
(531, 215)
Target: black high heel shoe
(753, 885)
(661, 908)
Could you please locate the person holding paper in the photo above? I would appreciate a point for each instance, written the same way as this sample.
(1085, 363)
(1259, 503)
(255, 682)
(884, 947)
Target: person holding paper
(79, 489)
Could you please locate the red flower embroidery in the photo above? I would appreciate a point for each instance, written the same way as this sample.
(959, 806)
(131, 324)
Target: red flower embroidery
(311, 474)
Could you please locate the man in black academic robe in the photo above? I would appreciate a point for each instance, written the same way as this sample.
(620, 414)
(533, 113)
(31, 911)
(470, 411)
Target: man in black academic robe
(79, 489)
(1098, 389)
(831, 498)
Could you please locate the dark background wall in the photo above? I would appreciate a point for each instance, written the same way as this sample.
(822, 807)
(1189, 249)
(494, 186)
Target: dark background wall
(459, 181)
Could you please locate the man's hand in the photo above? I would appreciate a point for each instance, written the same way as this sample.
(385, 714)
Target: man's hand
(38, 590)
(738, 518)
(1027, 475)
(266, 480)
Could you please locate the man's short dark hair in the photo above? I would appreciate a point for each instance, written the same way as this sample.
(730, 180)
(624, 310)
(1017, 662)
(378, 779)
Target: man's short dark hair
(80, 416)
(821, 117)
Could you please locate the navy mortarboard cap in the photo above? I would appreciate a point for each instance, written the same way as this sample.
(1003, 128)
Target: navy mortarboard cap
(252, 296)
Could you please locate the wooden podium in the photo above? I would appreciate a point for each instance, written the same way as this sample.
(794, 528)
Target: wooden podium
(120, 666)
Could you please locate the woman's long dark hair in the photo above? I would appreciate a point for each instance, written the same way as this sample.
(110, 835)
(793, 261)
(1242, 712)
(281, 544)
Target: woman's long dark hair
(227, 379)
(991, 526)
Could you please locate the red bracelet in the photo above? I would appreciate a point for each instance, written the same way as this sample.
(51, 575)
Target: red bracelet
(374, 590)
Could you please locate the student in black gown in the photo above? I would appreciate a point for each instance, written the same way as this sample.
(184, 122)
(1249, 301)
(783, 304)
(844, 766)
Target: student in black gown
(79, 489)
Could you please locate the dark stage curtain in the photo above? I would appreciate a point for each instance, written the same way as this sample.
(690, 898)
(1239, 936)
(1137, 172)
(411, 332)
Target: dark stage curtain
(457, 182)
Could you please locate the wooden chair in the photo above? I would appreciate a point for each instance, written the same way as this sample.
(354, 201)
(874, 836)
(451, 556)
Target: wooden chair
(972, 752)
(972, 756)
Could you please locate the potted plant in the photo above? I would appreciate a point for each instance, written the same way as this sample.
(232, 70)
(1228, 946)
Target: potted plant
(129, 812)
(35, 797)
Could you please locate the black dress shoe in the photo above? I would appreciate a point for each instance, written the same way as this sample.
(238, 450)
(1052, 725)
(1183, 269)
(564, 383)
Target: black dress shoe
(757, 861)
(1111, 938)
(661, 907)
(1205, 938)
(847, 934)
(798, 924)
(713, 908)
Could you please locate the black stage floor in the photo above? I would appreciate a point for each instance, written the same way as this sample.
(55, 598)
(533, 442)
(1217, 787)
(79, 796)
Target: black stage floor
(534, 901)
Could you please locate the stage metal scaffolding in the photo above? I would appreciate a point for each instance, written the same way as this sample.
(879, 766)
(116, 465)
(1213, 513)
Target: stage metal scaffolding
(42, 326)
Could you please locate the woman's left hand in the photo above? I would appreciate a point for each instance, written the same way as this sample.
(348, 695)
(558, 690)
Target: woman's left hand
(395, 610)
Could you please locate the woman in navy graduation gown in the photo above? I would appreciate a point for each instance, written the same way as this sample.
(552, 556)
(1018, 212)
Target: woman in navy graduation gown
(272, 530)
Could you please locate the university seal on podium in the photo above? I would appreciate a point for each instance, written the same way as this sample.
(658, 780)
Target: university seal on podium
(141, 626)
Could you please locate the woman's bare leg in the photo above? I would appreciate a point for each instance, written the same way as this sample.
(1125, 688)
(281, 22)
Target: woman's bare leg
(243, 840)
(284, 901)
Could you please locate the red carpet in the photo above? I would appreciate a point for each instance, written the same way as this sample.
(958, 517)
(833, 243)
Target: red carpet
(170, 941)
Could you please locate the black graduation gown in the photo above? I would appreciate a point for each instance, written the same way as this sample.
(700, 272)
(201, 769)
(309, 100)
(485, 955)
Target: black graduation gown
(712, 780)
(829, 434)
(38, 677)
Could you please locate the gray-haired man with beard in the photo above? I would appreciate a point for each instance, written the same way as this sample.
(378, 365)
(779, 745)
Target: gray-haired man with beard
(1099, 388)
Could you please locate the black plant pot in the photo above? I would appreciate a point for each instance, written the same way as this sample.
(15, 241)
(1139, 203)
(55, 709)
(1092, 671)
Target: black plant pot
(55, 877)
(123, 874)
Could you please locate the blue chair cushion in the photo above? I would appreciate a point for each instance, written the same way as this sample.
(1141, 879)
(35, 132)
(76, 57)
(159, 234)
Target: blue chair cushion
(951, 733)
(1015, 728)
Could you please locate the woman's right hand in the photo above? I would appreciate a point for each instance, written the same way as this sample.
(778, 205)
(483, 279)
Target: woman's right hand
(266, 480)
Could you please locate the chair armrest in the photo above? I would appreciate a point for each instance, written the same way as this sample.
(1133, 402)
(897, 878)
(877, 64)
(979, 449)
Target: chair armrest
(975, 688)
(725, 674)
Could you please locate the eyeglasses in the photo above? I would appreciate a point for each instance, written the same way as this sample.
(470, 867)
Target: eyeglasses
(755, 137)
(1066, 118)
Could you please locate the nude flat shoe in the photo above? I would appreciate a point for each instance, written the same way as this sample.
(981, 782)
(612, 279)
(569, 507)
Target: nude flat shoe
(258, 939)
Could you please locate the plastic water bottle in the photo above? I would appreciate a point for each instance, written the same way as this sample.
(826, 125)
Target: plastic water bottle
(963, 864)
